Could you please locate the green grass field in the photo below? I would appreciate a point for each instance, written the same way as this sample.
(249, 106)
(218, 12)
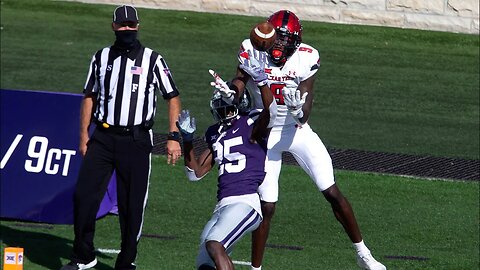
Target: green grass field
(379, 89)
(432, 220)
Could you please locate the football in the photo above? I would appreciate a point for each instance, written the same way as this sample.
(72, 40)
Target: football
(263, 36)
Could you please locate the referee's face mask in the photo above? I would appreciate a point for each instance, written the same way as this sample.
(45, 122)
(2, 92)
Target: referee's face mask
(126, 38)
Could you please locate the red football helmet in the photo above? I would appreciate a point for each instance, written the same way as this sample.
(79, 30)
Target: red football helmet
(289, 35)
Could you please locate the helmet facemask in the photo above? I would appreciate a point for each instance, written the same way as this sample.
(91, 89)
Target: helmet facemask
(222, 111)
(284, 46)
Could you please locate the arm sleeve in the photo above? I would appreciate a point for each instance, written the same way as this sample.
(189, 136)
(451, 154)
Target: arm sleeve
(311, 58)
(91, 85)
(164, 79)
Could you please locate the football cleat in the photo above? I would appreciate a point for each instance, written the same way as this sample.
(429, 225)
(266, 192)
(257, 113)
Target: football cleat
(79, 266)
(366, 261)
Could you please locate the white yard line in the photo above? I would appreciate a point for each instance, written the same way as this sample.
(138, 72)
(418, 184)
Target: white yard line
(108, 251)
(241, 262)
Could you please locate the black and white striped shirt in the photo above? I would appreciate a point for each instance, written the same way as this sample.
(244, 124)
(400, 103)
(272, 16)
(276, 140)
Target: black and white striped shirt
(125, 84)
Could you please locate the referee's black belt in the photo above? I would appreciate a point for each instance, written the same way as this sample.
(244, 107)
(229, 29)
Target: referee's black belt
(121, 130)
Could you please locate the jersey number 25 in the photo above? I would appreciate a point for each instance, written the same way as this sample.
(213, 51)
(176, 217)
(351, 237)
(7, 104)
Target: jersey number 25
(236, 161)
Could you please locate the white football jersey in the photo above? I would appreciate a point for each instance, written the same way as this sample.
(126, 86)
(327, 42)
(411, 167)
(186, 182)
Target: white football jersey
(303, 64)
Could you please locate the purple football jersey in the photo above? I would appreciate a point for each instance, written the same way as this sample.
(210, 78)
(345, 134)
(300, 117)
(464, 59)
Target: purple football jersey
(241, 163)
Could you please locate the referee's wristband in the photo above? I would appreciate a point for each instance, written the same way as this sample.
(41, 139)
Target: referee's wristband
(174, 136)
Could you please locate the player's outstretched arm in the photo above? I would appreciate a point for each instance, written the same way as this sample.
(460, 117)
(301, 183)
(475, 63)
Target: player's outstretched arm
(256, 70)
(222, 87)
(267, 116)
(234, 89)
(195, 168)
(239, 82)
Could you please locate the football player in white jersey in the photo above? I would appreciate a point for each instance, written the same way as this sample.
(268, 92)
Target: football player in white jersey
(291, 67)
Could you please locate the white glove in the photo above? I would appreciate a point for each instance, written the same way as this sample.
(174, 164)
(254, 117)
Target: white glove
(294, 102)
(256, 69)
(186, 125)
(222, 88)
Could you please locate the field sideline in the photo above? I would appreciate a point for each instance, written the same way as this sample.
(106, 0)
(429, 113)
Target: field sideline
(379, 89)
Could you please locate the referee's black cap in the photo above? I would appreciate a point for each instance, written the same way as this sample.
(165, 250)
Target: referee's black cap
(125, 14)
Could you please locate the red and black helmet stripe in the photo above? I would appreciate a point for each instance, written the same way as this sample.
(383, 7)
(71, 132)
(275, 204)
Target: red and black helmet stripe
(285, 19)
(287, 22)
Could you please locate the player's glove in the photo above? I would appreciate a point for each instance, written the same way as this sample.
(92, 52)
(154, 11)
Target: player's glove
(186, 125)
(256, 69)
(222, 87)
(294, 102)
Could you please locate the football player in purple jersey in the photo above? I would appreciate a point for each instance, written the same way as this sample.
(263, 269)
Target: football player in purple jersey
(238, 144)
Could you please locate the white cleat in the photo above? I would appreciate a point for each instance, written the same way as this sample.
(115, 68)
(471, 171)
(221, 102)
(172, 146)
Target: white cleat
(366, 261)
(79, 266)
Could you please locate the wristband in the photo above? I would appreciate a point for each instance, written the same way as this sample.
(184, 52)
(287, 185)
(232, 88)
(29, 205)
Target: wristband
(262, 83)
(299, 114)
(174, 136)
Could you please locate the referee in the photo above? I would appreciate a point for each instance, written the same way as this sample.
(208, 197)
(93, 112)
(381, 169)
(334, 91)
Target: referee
(120, 98)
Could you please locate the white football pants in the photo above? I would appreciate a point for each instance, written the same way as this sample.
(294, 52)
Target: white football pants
(308, 150)
(227, 225)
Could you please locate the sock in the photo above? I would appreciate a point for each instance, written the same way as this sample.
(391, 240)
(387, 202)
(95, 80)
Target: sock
(361, 248)
(256, 268)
